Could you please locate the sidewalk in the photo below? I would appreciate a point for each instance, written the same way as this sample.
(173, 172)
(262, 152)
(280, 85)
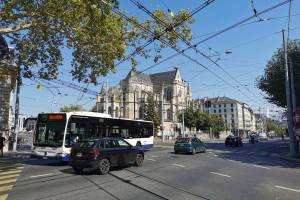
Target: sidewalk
(23, 155)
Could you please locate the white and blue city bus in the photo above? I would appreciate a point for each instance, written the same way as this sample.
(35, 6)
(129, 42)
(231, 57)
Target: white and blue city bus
(55, 133)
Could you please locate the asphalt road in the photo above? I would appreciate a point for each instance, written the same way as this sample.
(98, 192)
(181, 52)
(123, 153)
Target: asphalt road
(250, 172)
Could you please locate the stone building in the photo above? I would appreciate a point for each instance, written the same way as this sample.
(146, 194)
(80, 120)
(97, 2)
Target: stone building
(129, 97)
(238, 116)
(7, 85)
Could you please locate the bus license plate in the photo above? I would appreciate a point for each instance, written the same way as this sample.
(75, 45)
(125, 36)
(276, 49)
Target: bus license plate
(79, 154)
(45, 157)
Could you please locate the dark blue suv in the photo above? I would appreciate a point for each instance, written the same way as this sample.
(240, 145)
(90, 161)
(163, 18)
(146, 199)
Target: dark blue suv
(102, 154)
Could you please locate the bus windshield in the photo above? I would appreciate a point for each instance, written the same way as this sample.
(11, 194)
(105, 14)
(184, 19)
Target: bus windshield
(50, 133)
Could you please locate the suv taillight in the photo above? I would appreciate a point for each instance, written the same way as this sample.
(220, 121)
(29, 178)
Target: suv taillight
(94, 152)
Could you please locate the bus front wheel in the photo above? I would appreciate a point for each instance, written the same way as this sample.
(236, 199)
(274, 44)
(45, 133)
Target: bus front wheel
(138, 144)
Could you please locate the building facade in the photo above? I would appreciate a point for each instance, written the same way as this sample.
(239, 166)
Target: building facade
(129, 97)
(7, 85)
(238, 116)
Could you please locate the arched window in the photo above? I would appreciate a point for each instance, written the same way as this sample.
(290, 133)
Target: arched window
(169, 114)
(169, 95)
(109, 110)
(117, 112)
(141, 112)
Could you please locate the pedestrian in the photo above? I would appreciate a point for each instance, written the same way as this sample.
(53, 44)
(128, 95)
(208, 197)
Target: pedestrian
(282, 137)
(2, 139)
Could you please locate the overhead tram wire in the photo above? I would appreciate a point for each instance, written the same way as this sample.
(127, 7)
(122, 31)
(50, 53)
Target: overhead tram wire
(195, 11)
(162, 23)
(218, 33)
(201, 65)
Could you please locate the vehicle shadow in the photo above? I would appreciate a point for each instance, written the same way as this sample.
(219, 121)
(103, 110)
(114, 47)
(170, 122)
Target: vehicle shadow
(44, 162)
(256, 154)
(89, 172)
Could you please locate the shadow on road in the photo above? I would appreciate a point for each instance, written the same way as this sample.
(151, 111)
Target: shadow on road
(274, 153)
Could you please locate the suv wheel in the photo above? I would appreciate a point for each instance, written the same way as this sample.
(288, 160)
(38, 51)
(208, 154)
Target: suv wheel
(104, 166)
(139, 160)
(77, 170)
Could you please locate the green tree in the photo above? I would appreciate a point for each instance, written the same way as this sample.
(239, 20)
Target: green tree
(189, 117)
(151, 113)
(71, 108)
(273, 80)
(217, 124)
(95, 35)
(271, 125)
(202, 120)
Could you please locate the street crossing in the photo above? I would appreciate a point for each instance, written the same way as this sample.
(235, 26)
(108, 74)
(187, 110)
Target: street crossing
(9, 172)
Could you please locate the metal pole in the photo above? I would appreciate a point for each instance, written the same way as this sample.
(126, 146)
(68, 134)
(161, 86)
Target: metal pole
(288, 100)
(294, 102)
(134, 104)
(162, 112)
(16, 126)
(183, 126)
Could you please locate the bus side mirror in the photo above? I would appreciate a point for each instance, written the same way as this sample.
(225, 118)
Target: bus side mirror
(73, 127)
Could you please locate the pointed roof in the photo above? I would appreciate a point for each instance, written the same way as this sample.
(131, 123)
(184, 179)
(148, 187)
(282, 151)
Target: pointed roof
(163, 76)
(138, 76)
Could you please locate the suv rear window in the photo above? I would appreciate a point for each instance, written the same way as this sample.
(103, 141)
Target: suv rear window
(183, 140)
(87, 144)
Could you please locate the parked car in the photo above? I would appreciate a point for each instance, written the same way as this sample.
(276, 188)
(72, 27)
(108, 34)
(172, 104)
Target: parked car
(233, 141)
(102, 154)
(262, 136)
(189, 145)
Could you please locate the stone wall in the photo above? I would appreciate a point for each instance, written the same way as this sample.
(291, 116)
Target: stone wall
(5, 107)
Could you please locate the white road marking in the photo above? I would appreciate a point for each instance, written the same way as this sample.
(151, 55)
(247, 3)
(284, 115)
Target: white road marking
(41, 175)
(220, 174)
(216, 155)
(209, 152)
(286, 188)
(260, 166)
(177, 165)
(151, 159)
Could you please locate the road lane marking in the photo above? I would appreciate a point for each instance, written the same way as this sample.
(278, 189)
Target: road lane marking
(286, 188)
(3, 197)
(9, 176)
(260, 166)
(5, 188)
(41, 175)
(153, 156)
(10, 172)
(215, 155)
(220, 174)
(151, 159)
(8, 181)
(209, 152)
(177, 165)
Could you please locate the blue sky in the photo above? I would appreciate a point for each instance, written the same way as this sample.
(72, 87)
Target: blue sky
(252, 45)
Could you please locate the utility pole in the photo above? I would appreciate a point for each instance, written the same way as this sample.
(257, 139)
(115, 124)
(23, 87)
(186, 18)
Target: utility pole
(294, 102)
(162, 112)
(243, 115)
(16, 126)
(134, 104)
(183, 123)
(288, 100)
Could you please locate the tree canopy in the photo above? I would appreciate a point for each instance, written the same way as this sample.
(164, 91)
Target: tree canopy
(273, 80)
(202, 120)
(71, 108)
(41, 31)
(151, 113)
